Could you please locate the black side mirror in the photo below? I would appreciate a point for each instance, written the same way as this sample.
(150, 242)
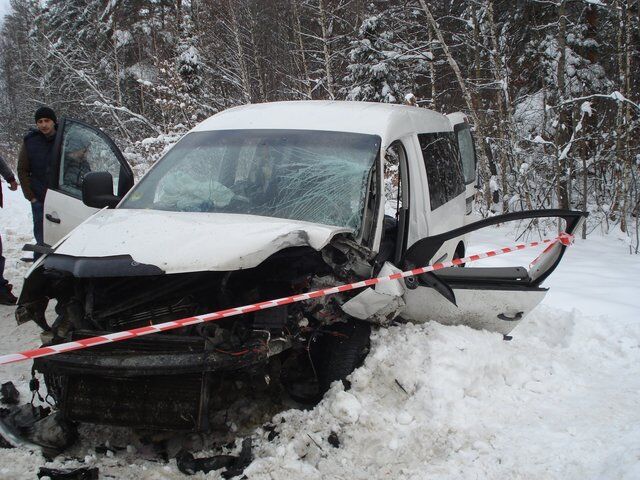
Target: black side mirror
(97, 190)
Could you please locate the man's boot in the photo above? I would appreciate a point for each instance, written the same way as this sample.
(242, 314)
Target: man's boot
(6, 297)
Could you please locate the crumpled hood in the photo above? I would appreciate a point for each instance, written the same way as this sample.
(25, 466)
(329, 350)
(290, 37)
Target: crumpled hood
(179, 242)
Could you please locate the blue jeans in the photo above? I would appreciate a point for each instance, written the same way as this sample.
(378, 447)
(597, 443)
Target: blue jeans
(37, 209)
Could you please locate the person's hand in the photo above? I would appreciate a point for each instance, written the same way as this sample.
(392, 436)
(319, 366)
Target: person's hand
(13, 185)
(33, 200)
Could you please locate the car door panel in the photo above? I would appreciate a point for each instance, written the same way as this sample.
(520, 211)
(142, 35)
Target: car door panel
(62, 213)
(79, 149)
(490, 298)
(496, 310)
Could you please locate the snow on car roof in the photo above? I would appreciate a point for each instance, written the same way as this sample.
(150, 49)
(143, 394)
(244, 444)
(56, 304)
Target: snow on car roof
(389, 121)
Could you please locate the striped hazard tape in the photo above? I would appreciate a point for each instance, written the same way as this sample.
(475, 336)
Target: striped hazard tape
(563, 238)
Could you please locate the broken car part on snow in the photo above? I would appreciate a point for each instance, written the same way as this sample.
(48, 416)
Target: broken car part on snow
(259, 202)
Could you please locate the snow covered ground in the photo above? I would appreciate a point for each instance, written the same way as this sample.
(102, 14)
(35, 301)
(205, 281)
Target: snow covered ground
(560, 401)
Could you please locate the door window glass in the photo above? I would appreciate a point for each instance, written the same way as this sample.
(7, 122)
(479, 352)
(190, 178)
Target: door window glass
(468, 154)
(443, 165)
(84, 150)
(392, 193)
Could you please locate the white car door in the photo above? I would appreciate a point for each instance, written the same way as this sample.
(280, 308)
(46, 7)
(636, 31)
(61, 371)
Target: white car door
(80, 149)
(495, 299)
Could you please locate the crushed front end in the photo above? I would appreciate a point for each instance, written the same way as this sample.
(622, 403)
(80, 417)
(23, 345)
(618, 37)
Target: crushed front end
(178, 380)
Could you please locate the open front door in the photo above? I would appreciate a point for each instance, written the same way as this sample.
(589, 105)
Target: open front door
(80, 149)
(489, 298)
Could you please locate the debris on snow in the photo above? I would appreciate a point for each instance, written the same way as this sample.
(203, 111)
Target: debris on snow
(234, 465)
(10, 394)
(83, 473)
(36, 428)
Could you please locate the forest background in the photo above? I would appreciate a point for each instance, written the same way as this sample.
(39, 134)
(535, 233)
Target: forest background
(550, 86)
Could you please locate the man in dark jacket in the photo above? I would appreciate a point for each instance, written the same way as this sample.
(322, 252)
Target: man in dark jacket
(34, 163)
(6, 297)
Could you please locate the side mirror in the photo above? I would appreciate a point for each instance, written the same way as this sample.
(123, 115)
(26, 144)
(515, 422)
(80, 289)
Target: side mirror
(97, 190)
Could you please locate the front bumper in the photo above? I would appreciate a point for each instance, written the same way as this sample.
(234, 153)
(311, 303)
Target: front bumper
(159, 355)
(164, 382)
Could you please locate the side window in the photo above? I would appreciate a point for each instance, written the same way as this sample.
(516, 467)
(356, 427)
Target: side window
(84, 151)
(468, 154)
(396, 208)
(443, 165)
(392, 192)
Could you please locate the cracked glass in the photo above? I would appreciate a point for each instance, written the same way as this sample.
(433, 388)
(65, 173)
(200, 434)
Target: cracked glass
(313, 176)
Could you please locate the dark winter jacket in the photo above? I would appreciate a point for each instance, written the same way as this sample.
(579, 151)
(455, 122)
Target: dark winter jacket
(34, 163)
(7, 174)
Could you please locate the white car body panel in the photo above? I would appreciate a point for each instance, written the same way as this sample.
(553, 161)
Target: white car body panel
(424, 221)
(180, 242)
(388, 121)
(69, 210)
(477, 308)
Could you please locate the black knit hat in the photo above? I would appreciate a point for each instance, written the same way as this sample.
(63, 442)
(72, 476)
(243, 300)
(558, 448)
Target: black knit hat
(46, 112)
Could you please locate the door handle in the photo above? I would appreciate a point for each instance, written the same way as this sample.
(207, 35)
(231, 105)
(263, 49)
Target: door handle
(516, 317)
(51, 218)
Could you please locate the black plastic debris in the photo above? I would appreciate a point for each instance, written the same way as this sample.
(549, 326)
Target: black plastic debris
(273, 433)
(333, 440)
(9, 394)
(4, 443)
(190, 465)
(36, 427)
(234, 465)
(83, 473)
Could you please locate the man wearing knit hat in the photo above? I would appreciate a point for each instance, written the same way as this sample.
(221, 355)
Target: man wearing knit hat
(34, 163)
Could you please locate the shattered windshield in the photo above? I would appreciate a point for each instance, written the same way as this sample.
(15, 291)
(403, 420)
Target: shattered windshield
(313, 176)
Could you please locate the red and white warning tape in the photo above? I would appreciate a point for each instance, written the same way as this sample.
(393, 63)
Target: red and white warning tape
(563, 238)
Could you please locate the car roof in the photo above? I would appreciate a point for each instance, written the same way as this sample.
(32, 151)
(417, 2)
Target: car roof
(389, 121)
(457, 118)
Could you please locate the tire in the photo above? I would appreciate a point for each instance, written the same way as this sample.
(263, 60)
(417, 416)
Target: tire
(339, 351)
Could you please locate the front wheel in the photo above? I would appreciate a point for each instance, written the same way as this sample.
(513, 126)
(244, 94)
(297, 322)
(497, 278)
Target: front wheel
(340, 350)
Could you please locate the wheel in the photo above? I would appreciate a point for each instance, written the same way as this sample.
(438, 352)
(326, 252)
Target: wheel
(339, 351)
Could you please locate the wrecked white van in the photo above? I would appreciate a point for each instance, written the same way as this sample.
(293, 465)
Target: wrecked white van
(257, 202)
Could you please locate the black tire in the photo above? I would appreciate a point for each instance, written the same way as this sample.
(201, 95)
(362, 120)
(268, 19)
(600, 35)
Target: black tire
(339, 351)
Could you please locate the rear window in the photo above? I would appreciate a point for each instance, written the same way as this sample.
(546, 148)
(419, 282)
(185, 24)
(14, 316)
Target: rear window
(443, 165)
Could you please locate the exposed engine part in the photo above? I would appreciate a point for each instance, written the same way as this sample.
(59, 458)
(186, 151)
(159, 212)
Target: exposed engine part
(271, 319)
(348, 259)
(326, 310)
